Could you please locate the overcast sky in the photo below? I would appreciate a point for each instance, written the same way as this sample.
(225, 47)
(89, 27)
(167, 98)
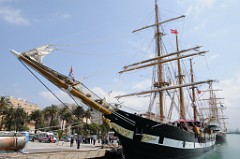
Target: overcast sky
(95, 38)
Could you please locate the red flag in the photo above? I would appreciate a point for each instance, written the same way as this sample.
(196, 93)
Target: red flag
(199, 91)
(174, 31)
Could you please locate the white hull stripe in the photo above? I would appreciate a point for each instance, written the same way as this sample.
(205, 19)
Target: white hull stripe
(186, 145)
(151, 139)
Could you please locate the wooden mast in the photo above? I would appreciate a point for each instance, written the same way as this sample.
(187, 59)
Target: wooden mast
(160, 83)
(159, 67)
(213, 105)
(193, 93)
(180, 81)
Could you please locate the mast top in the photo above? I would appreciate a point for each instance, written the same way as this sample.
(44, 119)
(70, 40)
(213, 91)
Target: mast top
(149, 26)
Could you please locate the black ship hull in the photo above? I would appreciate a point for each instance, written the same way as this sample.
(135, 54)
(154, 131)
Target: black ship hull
(221, 138)
(142, 138)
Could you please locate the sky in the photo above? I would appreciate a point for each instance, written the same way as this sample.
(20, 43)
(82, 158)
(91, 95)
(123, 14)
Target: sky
(95, 38)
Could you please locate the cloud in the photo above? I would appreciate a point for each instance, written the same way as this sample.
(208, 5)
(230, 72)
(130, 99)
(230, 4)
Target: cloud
(197, 6)
(65, 16)
(142, 85)
(50, 98)
(201, 25)
(213, 57)
(132, 104)
(99, 91)
(231, 89)
(198, 9)
(6, 1)
(62, 16)
(13, 16)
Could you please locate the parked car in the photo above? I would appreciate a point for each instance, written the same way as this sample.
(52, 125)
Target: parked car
(46, 137)
(32, 137)
(66, 138)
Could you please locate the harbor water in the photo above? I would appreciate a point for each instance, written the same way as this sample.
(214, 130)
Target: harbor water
(230, 150)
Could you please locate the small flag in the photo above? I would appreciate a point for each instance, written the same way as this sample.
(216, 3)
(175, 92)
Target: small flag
(174, 31)
(71, 75)
(199, 91)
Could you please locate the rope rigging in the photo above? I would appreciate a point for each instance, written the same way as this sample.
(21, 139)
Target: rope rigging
(114, 112)
(43, 84)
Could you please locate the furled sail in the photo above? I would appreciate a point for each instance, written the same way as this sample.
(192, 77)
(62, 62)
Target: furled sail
(39, 53)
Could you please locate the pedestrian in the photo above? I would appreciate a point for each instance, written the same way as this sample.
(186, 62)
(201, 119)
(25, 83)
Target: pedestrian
(71, 141)
(78, 142)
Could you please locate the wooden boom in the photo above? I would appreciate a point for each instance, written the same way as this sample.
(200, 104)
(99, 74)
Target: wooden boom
(62, 84)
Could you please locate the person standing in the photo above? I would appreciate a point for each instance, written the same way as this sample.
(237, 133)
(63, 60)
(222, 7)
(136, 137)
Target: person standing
(78, 142)
(94, 140)
(71, 141)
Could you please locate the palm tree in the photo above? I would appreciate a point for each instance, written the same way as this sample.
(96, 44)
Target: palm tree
(65, 114)
(78, 112)
(4, 106)
(104, 129)
(20, 117)
(50, 113)
(87, 115)
(37, 116)
(9, 119)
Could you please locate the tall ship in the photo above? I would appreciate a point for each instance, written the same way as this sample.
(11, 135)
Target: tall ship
(148, 135)
(216, 117)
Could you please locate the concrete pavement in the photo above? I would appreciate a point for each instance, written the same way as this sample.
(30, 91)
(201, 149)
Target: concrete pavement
(37, 150)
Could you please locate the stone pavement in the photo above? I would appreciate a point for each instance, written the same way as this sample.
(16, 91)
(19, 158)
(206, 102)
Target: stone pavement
(37, 150)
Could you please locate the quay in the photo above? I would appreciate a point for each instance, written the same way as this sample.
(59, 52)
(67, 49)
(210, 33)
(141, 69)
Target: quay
(37, 150)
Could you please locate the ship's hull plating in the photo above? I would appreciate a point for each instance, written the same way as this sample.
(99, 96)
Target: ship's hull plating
(140, 150)
(145, 139)
(221, 138)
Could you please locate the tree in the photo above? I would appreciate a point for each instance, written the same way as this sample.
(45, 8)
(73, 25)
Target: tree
(37, 116)
(51, 113)
(87, 115)
(15, 119)
(104, 129)
(9, 119)
(65, 115)
(4, 106)
(78, 112)
(20, 116)
(94, 128)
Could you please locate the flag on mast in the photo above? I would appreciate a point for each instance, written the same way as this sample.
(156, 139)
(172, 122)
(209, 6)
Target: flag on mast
(174, 31)
(199, 91)
(71, 75)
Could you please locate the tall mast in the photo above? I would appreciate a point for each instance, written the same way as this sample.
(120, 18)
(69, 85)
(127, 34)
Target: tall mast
(193, 93)
(159, 67)
(213, 105)
(180, 81)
